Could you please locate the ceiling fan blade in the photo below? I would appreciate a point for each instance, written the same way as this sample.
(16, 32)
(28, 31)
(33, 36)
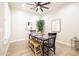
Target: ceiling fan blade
(41, 9)
(45, 7)
(36, 9)
(45, 3)
(30, 4)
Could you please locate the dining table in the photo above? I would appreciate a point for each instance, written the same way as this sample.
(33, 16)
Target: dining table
(43, 38)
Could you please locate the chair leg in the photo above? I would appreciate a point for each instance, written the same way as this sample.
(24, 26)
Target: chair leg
(47, 51)
(54, 50)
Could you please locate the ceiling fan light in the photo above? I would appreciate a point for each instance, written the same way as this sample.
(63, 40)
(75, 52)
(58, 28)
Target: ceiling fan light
(38, 7)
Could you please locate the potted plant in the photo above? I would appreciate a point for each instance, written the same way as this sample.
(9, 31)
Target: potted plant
(40, 26)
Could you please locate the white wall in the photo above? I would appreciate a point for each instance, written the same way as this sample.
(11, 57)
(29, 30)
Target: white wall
(4, 27)
(69, 16)
(7, 31)
(1, 27)
(19, 24)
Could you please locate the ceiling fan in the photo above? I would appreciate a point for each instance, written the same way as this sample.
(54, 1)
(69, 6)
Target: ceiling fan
(39, 5)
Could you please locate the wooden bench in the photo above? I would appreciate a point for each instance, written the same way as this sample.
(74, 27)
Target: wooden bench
(35, 46)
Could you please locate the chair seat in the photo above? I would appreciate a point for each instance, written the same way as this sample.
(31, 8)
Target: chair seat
(49, 46)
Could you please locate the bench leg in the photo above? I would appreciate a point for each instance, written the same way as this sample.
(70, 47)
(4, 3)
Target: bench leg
(35, 52)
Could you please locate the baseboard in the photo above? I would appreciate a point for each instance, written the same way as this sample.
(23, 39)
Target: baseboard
(17, 40)
(56, 41)
(64, 43)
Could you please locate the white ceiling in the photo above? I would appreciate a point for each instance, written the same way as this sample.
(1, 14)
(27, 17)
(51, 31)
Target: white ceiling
(53, 7)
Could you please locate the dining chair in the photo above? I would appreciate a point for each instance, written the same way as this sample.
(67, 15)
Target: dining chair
(50, 44)
(31, 32)
(75, 43)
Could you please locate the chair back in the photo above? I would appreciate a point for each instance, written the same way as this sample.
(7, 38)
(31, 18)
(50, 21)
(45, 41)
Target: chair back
(51, 42)
(32, 31)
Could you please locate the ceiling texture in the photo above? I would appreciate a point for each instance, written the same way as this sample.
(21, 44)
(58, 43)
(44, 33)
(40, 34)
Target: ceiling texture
(53, 7)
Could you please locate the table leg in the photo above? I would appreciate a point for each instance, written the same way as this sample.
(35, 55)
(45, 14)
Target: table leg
(43, 49)
(29, 36)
